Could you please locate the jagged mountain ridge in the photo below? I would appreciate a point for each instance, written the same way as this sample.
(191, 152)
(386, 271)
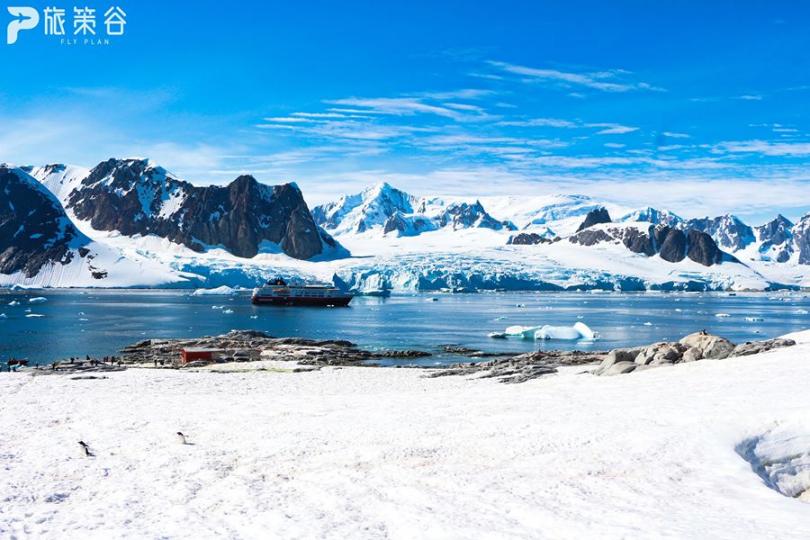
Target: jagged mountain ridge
(34, 229)
(136, 197)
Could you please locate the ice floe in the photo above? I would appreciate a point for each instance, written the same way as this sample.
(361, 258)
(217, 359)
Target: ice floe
(579, 331)
(223, 290)
(37, 300)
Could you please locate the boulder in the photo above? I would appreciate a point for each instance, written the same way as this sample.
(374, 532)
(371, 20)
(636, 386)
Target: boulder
(617, 355)
(620, 367)
(755, 347)
(708, 345)
(660, 353)
(691, 354)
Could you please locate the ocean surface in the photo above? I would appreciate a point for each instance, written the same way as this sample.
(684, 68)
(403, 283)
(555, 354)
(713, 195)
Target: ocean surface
(101, 322)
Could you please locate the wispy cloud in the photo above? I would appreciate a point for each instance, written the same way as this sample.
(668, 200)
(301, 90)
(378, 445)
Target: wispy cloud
(766, 148)
(605, 81)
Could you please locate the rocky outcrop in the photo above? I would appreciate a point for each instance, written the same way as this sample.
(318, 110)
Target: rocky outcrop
(697, 346)
(728, 231)
(465, 216)
(528, 239)
(408, 225)
(244, 217)
(594, 217)
(776, 239)
(675, 246)
(801, 234)
(34, 229)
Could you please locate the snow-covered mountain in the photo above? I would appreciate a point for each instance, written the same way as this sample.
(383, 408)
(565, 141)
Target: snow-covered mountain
(137, 197)
(40, 245)
(364, 211)
(383, 209)
(654, 216)
(178, 234)
(728, 231)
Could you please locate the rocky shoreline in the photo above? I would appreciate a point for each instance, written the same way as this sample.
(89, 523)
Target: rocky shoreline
(300, 354)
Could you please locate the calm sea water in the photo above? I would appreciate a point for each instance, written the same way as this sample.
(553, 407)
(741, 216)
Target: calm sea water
(98, 323)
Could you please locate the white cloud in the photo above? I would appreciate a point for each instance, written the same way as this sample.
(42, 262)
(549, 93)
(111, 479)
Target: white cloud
(606, 81)
(766, 148)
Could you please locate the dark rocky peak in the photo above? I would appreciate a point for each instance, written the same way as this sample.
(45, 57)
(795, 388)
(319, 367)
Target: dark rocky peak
(728, 231)
(465, 215)
(34, 229)
(775, 231)
(134, 196)
(801, 236)
(531, 239)
(674, 245)
(594, 217)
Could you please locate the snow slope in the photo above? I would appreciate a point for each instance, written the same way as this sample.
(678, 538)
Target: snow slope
(384, 453)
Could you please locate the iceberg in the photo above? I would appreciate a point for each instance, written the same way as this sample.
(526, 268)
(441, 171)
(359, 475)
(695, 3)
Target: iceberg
(34, 315)
(224, 290)
(567, 333)
(14, 303)
(37, 300)
(578, 331)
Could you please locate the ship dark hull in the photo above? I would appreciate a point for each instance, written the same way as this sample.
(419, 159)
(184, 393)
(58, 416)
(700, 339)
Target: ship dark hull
(340, 301)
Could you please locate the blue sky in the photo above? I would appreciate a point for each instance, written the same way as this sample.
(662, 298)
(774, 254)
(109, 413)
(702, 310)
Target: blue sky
(695, 106)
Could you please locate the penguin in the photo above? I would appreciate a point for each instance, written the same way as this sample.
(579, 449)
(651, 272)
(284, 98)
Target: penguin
(181, 438)
(86, 449)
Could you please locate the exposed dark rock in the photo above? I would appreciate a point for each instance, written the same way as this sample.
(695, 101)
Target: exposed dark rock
(756, 347)
(34, 229)
(702, 249)
(639, 241)
(591, 237)
(697, 346)
(777, 239)
(135, 197)
(528, 239)
(672, 244)
(727, 231)
(594, 217)
(465, 215)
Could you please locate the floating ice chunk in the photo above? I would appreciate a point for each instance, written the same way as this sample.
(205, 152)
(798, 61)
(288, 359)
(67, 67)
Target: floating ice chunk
(224, 290)
(525, 332)
(254, 316)
(498, 335)
(722, 315)
(567, 333)
(83, 319)
(14, 303)
(520, 305)
(754, 319)
(228, 311)
(801, 312)
(678, 309)
(3, 316)
(648, 323)
(37, 300)
(217, 307)
(34, 315)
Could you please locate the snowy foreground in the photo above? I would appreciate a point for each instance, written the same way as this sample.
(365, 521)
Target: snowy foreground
(385, 453)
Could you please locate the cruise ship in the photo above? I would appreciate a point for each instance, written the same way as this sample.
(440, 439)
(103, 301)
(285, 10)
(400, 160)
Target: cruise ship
(278, 293)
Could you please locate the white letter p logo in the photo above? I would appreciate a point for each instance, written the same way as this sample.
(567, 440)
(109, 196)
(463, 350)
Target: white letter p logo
(27, 18)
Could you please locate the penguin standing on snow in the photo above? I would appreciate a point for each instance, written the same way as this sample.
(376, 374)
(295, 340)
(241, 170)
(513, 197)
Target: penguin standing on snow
(86, 449)
(181, 438)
